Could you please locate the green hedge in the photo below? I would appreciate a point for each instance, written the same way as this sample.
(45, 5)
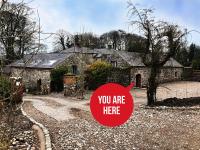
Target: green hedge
(97, 74)
(57, 78)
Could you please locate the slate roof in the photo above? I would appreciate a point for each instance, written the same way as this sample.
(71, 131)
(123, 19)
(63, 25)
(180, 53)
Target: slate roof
(78, 50)
(51, 60)
(132, 58)
(173, 63)
(42, 60)
(88, 50)
(135, 60)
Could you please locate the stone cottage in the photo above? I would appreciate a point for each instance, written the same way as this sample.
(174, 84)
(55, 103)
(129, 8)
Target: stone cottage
(171, 71)
(36, 69)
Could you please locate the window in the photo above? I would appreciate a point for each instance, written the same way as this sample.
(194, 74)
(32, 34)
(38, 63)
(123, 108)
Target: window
(74, 69)
(109, 46)
(114, 63)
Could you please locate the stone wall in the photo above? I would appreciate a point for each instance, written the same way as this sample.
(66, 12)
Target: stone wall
(171, 74)
(120, 76)
(70, 85)
(30, 77)
(166, 75)
(79, 60)
(143, 71)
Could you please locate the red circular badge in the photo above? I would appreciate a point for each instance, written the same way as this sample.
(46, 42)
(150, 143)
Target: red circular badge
(112, 104)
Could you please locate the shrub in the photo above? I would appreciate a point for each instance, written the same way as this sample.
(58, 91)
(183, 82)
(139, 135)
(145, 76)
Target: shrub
(5, 87)
(97, 73)
(57, 78)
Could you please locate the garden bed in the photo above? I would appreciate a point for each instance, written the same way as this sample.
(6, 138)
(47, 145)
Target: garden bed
(16, 132)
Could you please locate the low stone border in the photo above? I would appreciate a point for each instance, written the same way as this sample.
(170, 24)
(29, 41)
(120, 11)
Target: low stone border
(44, 129)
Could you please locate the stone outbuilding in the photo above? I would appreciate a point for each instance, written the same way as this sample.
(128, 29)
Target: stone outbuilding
(36, 69)
(171, 71)
(139, 73)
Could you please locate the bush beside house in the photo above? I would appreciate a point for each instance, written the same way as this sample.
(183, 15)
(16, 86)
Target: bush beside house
(97, 74)
(57, 75)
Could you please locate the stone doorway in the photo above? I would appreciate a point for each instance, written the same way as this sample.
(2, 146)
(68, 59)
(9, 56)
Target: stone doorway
(138, 80)
(39, 84)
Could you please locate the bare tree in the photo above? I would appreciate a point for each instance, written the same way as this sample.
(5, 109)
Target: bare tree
(114, 38)
(2, 3)
(17, 31)
(89, 40)
(63, 40)
(17, 37)
(162, 41)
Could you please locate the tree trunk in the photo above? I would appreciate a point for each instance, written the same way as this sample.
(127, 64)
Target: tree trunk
(10, 55)
(152, 85)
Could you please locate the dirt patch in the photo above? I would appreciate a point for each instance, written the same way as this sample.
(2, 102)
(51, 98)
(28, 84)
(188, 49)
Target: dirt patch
(81, 114)
(53, 104)
(75, 110)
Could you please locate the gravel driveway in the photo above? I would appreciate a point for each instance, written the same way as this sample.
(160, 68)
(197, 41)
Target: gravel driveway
(56, 108)
(72, 127)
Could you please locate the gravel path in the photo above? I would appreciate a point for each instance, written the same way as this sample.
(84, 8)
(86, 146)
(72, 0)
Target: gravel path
(146, 129)
(57, 108)
(72, 127)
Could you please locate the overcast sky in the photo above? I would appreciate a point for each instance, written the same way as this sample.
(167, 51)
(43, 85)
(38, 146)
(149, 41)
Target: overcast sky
(100, 16)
